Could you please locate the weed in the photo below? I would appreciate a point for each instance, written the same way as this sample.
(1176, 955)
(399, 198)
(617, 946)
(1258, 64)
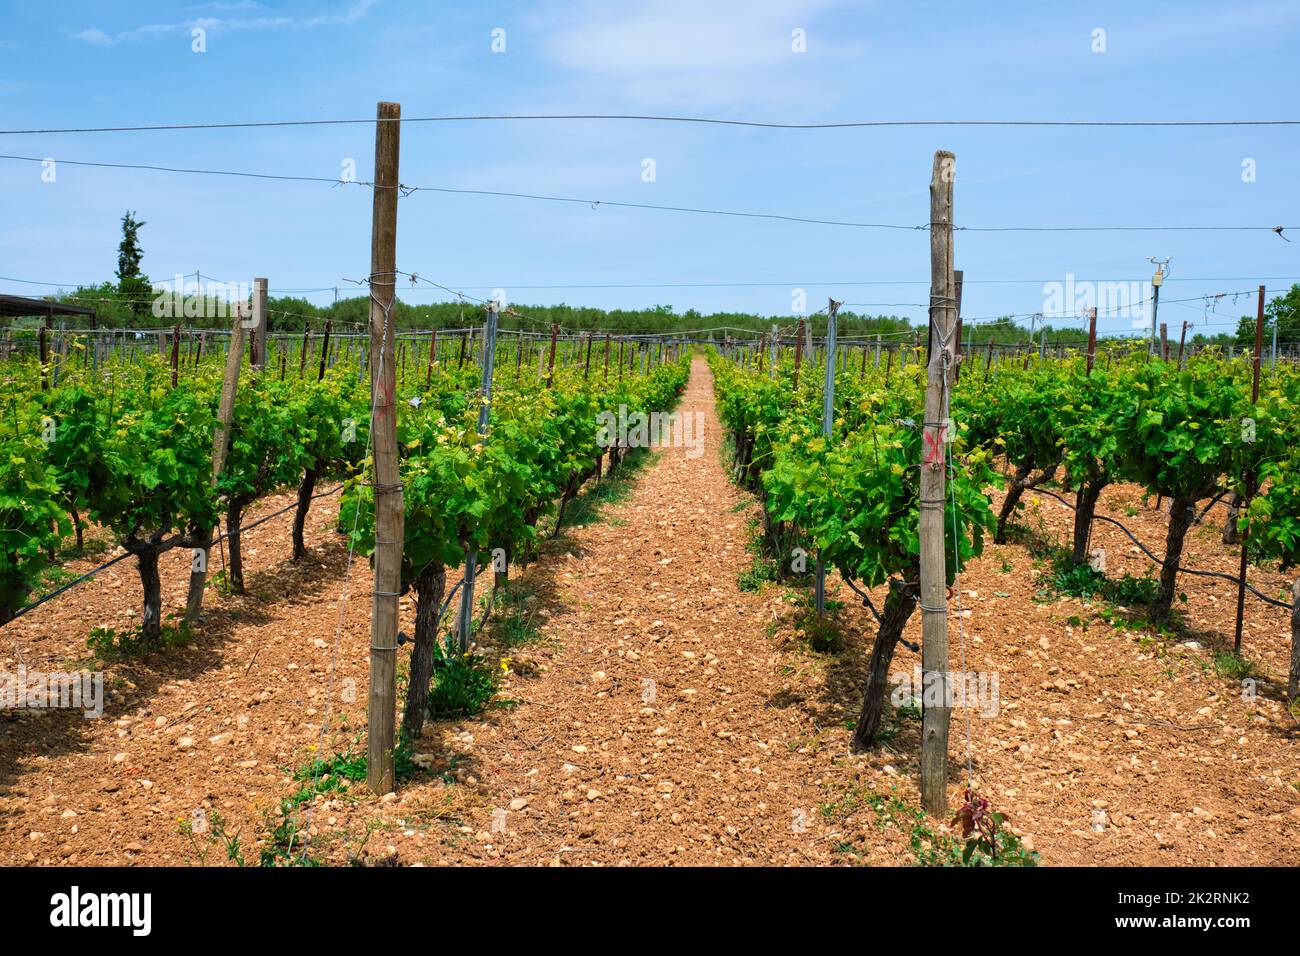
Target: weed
(109, 644)
(214, 834)
(463, 683)
(760, 572)
(1231, 666)
(515, 625)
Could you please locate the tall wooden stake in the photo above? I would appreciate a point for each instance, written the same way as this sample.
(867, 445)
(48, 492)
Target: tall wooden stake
(176, 352)
(324, 350)
(389, 516)
(550, 361)
(257, 334)
(1092, 338)
(220, 445)
(798, 354)
(956, 345)
(934, 610)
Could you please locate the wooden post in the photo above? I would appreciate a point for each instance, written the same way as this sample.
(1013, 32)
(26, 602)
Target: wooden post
(934, 612)
(257, 339)
(324, 350)
(176, 352)
(775, 346)
(607, 356)
(586, 368)
(1164, 341)
(621, 343)
(302, 359)
(220, 446)
(1244, 504)
(433, 350)
(550, 362)
(1092, 338)
(1293, 681)
(44, 353)
(1182, 339)
(956, 344)
(389, 524)
(798, 353)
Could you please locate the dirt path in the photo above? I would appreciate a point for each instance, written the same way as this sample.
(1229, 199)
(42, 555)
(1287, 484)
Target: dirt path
(657, 734)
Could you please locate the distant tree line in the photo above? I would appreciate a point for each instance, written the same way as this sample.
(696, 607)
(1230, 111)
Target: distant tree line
(132, 302)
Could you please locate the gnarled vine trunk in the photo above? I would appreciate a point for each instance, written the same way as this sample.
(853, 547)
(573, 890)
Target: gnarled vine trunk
(1182, 511)
(898, 609)
(1085, 504)
(305, 490)
(429, 587)
(198, 575)
(1014, 491)
(151, 585)
(79, 528)
(1230, 524)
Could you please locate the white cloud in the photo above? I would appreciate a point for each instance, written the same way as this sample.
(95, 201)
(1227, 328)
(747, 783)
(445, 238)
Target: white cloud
(95, 36)
(689, 51)
(357, 11)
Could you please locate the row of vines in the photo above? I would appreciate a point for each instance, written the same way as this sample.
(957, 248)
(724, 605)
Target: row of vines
(126, 446)
(1186, 432)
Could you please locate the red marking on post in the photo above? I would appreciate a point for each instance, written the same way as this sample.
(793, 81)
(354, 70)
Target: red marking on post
(934, 446)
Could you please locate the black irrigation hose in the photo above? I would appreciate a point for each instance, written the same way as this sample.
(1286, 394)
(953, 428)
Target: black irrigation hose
(866, 599)
(866, 602)
(1160, 561)
(122, 557)
(73, 583)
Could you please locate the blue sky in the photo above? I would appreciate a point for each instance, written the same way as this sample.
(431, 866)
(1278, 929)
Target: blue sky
(93, 64)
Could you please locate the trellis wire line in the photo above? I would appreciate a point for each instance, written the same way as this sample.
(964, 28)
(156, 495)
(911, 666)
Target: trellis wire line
(719, 285)
(1160, 561)
(655, 118)
(408, 190)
